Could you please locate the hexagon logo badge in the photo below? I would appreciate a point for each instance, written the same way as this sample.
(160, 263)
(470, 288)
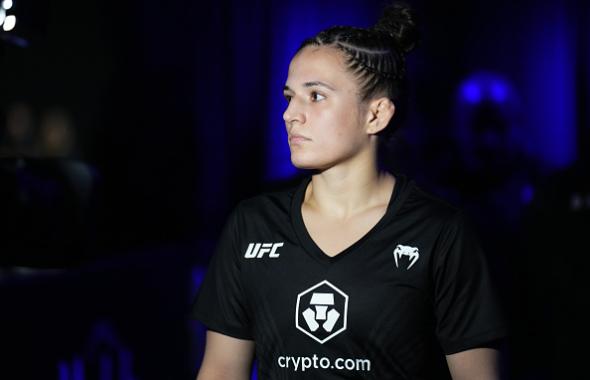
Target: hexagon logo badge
(321, 311)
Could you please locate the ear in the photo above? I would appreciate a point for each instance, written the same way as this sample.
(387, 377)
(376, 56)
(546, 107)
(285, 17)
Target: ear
(379, 113)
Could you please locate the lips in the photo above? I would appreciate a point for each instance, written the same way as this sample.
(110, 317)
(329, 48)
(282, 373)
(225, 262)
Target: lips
(295, 138)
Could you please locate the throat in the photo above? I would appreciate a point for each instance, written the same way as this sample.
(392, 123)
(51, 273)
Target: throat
(344, 201)
(333, 235)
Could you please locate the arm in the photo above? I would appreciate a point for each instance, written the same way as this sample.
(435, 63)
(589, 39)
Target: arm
(474, 364)
(226, 358)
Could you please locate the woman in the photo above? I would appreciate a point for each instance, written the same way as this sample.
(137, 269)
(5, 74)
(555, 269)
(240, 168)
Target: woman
(354, 273)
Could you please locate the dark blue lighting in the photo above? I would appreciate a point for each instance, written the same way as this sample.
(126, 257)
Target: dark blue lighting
(551, 87)
(115, 356)
(254, 375)
(471, 92)
(126, 365)
(198, 274)
(486, 86)
(78, 369)
(527, 194)
(499, 91)
(106, 368)
(73, 371)
(63, 370)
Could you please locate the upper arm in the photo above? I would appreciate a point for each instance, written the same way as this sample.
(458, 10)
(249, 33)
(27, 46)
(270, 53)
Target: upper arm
(221, 303)
(226, 358)
(474, 364)
(467, 310)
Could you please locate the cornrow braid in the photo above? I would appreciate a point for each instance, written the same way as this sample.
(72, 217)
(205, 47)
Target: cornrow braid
(375, 56)
(368, 56)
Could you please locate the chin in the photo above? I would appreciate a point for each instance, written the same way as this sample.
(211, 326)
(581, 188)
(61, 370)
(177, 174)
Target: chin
(303, 162)
(309, 164)
(300, 165)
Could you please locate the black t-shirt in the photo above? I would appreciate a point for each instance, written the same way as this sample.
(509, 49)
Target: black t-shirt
(415, 287)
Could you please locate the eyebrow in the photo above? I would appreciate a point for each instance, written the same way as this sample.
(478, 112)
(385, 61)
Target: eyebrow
(311, 84)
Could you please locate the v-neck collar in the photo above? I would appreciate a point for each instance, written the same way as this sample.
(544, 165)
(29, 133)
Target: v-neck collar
(400, 191)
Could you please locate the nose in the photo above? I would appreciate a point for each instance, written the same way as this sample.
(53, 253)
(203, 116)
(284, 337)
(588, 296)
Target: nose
(293, 114)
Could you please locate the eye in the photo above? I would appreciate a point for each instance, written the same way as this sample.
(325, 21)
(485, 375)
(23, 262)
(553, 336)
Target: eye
(287, 98)
(316, 96)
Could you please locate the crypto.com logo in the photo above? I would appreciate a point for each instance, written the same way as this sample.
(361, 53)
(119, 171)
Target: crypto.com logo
(321, 311)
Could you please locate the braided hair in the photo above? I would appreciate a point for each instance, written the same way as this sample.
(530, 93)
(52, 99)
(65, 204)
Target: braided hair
(376, 56)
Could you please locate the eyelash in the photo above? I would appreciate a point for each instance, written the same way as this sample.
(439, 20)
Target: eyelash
(313, 97)
(316, 93)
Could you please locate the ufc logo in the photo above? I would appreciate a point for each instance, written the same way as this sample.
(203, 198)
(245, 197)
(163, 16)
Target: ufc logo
(257, 250)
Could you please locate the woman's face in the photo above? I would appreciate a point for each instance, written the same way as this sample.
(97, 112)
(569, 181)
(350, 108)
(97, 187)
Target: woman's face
(324, 117)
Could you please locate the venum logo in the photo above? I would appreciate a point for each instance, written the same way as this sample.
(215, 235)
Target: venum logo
(321, 311)
(257, 250)
(405, 250)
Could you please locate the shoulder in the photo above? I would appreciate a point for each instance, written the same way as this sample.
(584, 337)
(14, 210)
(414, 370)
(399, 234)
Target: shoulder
(422, 205)
(271, 203)
(446, 225)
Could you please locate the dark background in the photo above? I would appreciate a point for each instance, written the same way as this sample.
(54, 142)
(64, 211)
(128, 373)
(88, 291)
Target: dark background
(129, 130)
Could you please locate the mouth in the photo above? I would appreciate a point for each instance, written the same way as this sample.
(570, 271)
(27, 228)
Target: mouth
(294, 139)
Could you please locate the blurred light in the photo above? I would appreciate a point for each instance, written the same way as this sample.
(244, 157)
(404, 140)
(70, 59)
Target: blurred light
(125, 365)
(499, 91)
(106, 367)
(254, 375)
(78, 369)
(2, 15)
(575, 202)
(471, 92)
(198, 275)
(9, 23)
(16, 40)
(527, 194)
(7, 4)
(550, 83)
(484, 86)
(63, 370)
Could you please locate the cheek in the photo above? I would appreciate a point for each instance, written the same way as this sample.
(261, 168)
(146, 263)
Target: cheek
(344, 113)
(347, 126)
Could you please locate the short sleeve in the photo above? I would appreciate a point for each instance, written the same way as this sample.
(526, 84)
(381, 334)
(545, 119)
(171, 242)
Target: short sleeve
(220, 303)
(467, 310)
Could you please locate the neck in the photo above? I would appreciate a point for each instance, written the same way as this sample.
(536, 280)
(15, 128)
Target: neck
(345, 190)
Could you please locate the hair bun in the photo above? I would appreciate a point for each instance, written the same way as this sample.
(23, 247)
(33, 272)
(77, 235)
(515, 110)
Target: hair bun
(399, 21)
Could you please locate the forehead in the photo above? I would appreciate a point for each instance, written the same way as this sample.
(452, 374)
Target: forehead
(320, 63)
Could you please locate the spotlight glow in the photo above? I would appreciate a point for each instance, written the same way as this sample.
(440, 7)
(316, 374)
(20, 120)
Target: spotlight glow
(9, 23)
(471, 92)
(2, 15)
(499, 91)
(7, 4)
